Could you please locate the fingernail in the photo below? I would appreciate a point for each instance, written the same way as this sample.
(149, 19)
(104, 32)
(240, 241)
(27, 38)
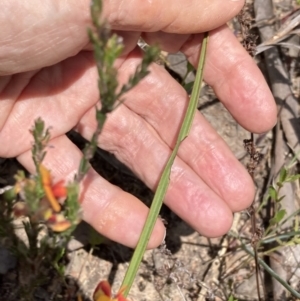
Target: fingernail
(163, 241)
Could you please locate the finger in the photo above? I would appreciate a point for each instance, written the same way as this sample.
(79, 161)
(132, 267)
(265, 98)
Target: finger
(44, 34)
(136, 144)
(111, 211)
(170, 16)
(10, 89)
(56, 30)
(60, 94)
(236, 80)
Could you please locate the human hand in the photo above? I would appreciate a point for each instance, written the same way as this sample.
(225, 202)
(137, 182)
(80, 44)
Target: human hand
(48, 71)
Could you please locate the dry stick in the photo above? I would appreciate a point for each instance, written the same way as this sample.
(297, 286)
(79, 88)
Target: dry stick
(289, 27)
(255, 158)
(280, 84)
(280, 81)
(249, 43)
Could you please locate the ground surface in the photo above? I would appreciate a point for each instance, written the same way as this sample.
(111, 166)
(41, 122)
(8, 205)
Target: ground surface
(189, 267)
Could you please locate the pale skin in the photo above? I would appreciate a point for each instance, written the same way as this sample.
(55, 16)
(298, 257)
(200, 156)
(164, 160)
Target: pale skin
(47, 70)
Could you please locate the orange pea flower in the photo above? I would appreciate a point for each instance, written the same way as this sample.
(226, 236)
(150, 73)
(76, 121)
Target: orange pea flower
(103, 293)
(56, 221)
(52, 191)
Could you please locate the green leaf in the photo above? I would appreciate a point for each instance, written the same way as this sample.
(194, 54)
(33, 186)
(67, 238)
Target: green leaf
(278, 217)
(189, 67)
(96, 9)
(188, 87)
(293, 178)
(10, 195)
(280, 199)
(39, 127)
(296, 240)
(232, 299)
(114, 48)
(273, 193)
(279, 184)
(282, 175)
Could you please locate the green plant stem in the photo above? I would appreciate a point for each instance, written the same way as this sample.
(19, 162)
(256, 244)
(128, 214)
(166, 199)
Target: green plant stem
(271, 272)
(267, 268)
(165, 178)
(273, 231)
(276, 237)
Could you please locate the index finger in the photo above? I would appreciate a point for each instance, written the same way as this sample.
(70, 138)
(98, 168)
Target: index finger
(181, 16)
(49, 33)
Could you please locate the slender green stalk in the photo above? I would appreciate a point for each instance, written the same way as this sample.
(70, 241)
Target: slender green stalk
(165, 177)
(265, 266)
(276, 237)
(107, 48)
(271, 272)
